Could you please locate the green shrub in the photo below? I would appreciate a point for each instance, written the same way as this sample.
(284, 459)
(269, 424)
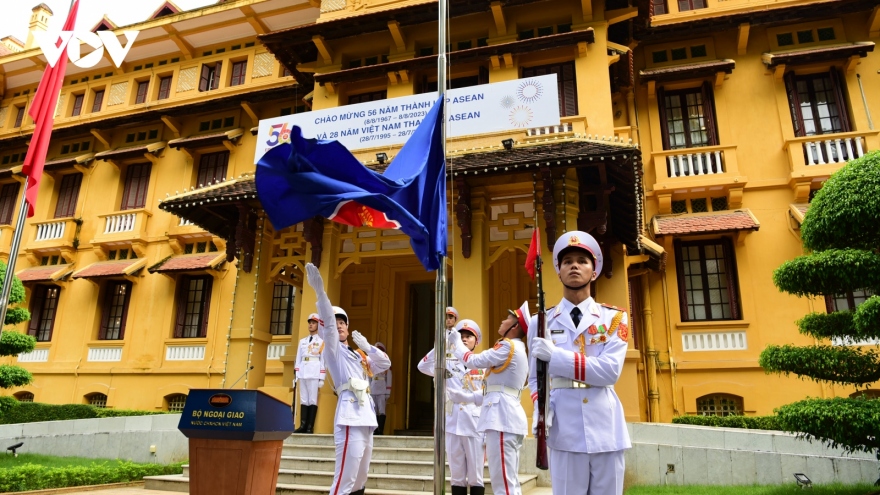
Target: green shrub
(7, 402)
(747, 422)
(36, 477)
(31, 412)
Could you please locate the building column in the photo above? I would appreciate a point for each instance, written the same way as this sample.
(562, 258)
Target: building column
(249, 337)
(470, 276)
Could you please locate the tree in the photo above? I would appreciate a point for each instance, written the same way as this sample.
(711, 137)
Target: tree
(13, 343)
(841, 231)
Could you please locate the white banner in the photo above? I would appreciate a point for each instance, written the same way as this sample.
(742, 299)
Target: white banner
(503, 106)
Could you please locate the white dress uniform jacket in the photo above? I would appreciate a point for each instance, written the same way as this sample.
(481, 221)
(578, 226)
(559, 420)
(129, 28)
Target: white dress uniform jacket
(588, 420)
(345, 364)
(461, 419)
(502, 410)
(380, 389)
(309, 362)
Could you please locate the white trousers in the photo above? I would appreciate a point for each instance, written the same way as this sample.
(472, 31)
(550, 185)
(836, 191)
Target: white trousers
(379, 400)
(308, 391)
(502, 452)
(354, 448)
(577, 473)
(465, 456)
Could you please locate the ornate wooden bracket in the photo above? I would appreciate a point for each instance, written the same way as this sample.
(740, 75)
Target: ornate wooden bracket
(313, 232)
(463, 215)
(549, 206)
(245, 238)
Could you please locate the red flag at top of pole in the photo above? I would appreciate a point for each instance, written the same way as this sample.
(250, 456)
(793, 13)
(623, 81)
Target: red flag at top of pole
(43, 112)
(534, 252)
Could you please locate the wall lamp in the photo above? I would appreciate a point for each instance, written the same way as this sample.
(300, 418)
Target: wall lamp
(508, 144)
(382, 157)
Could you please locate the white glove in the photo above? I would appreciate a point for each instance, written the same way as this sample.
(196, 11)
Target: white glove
(314, 278)
(453, 338)
(542, 348)
(535, 417)
(361, 341)
(320, 383)
(459, 396)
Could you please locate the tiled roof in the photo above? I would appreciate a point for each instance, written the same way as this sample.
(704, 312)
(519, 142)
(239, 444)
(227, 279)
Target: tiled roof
(698, 69)
(48, 273)
(131, 151)
(818, 54)
(111, 268)
(189, 262)
(4, 50)
(703, 223)
(799, 210)
(206, 139)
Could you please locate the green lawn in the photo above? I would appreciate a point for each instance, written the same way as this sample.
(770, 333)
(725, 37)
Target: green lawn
(789, 489)
(8, 461)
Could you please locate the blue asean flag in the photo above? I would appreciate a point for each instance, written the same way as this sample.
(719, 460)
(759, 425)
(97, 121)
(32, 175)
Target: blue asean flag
(308, 178)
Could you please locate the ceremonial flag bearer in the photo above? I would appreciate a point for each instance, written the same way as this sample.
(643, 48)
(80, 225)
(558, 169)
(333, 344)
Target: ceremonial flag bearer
(502, 417)
(351, 370)
(309, 373)
(585, 344)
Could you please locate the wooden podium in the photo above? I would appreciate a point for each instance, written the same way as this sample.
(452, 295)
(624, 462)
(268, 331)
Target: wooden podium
(235, 440)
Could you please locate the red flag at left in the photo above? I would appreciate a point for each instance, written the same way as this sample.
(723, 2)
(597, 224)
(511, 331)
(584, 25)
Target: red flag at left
(534, 252)
(43, 112)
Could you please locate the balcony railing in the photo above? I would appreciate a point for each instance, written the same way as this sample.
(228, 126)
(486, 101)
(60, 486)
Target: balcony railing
(122, 225)
(53, 234)
(50, 231)
(812, 157)
(105, 354)
(122, 222)
(184, 222)
(836, 150)
(696, 167)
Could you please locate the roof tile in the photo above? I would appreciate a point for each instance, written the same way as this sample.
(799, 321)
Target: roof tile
(699, 223)
(189, 262)
(106, 269)
(44, 273)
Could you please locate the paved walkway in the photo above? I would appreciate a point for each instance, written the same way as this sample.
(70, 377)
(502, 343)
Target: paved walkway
(139, 490)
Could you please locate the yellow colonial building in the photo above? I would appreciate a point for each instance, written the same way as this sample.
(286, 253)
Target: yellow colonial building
(692, 136)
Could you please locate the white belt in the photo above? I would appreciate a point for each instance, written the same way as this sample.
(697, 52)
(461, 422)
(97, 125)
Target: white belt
(307, 358)
(559, 382)
(513, 392)
(360, 388)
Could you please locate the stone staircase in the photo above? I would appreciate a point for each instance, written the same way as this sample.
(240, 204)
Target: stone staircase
(400, 465)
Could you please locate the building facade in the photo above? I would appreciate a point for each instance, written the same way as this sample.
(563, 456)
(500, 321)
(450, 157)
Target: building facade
(691, 139)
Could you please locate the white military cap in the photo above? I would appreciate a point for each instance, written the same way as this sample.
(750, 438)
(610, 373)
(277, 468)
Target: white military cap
(314, 316)
(470, 326)
(339, 312)
(452, 311)
(580, 240)
(380, 345)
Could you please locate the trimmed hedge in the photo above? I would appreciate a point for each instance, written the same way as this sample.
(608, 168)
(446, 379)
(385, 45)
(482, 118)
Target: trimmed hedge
(35, 477)
(747, 422)
(32, 412)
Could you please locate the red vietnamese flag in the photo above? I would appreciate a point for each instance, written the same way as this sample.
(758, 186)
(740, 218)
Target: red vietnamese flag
(534, 252)
(43, 112)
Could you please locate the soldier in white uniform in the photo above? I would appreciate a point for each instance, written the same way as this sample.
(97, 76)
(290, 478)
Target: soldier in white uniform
(380, 389)
(351, 370)
(451, 317)
(309, 375)
(464, 392)
(502, 418)
(585, 344)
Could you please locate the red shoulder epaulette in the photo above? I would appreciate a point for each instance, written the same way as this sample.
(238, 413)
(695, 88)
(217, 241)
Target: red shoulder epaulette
(609, 306)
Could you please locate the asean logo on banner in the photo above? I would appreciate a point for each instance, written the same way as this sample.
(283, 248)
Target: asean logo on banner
(358, 215)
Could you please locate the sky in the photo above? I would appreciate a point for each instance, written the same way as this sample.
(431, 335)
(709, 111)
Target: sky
(17, 13)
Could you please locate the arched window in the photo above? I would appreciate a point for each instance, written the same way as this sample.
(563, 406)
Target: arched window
(720, 405)
(97, 400)
(25, 397)
(176, 402)
(867, 394)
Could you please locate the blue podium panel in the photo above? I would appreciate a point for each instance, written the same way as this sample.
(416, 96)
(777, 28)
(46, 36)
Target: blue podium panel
(224, 414)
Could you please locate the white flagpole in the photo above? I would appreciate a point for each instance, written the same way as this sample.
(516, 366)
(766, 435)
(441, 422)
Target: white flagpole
(440, 291)
(13, 255)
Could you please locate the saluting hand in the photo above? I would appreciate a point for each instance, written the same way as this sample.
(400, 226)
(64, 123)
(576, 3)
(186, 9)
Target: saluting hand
(542, 348)
(314, 277)
(360, 341)
(453, 338)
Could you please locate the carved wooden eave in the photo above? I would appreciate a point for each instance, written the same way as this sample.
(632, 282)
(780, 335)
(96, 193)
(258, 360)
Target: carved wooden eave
(463, 215)
(313, 232)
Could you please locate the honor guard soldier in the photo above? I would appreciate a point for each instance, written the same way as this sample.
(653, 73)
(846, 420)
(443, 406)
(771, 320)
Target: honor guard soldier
(351, 370)
(309, 373)
(502, 418)
(451, 317)
(380, 389)
(585, 344)
(464, 392)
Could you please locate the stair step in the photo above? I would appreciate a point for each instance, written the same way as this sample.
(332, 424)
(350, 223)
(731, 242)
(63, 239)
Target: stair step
(379, 453)
(385, 441)
(406, 468)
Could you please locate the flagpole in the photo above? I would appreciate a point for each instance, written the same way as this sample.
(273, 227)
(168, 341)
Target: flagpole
(440, 291)
(13, 255)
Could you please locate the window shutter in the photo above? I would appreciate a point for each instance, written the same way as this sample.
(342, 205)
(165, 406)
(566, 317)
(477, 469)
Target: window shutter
(794, 104)
(8, 195)
(206, 304)
(137, 180)
(181, 296)
(68, 195)
(37, 301)
(125, 302)
(664, 125)
(483, 76)
(732, 277)
(679, 269)
(215, 83)
(838, 83)
(204, 79)
(105, 310)
(568, 90)
(709, 113)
